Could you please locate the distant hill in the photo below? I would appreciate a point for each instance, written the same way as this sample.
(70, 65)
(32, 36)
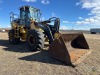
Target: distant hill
(80, 31)
(4, 29)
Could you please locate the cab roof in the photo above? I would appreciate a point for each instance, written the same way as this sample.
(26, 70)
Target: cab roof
(27, 8)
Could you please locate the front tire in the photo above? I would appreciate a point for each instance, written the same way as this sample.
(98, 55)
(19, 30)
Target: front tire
(35, 40)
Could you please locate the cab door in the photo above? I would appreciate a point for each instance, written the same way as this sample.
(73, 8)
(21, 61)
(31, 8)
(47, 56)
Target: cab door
(25, 20)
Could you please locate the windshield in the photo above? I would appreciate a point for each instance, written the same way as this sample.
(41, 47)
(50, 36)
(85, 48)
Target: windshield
(35, 14)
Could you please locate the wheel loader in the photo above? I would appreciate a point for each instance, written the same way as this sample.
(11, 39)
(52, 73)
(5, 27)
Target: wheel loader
(70, 48)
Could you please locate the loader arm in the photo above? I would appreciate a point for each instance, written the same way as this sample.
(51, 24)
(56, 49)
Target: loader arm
(49, 30)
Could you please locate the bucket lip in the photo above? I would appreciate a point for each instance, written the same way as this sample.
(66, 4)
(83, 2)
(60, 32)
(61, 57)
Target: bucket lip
(81, 59)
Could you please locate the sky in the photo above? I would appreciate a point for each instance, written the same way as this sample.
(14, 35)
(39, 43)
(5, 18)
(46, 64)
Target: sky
(73, 14)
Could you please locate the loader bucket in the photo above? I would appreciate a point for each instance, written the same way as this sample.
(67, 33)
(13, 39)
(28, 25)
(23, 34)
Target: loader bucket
(71, 48)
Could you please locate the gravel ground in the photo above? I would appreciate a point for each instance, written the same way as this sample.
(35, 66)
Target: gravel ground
(18, 60)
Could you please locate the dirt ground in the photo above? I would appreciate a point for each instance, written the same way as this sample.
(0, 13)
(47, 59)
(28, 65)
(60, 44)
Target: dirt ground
(18, 60)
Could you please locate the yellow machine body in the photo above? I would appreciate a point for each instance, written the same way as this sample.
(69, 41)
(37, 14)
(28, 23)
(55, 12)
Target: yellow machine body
(71, 48)
(23, 30)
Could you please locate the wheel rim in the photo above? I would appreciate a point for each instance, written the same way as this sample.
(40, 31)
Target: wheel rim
(31, 40)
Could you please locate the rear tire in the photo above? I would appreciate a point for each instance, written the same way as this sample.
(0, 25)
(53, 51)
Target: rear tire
(12, 38)
(35, 40)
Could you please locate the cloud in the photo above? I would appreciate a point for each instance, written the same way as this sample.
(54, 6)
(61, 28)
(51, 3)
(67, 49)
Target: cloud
(45, 1)
(78, 3)
(42, 1)
(94, 7)
(29, 0)
(80, 18)
(66, 22)
(0, 1)
(63, 27)
(92, 20)
(42, 19)
(90, 4)
(53, 14)
(8, 26)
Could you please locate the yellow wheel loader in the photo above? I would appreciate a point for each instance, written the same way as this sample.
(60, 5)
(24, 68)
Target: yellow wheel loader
(70, 48)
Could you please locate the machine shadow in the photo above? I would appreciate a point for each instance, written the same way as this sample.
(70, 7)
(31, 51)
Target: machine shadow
(21, 47)
(42, 56)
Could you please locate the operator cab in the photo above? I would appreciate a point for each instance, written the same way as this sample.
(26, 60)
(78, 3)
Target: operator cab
(28, 13)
